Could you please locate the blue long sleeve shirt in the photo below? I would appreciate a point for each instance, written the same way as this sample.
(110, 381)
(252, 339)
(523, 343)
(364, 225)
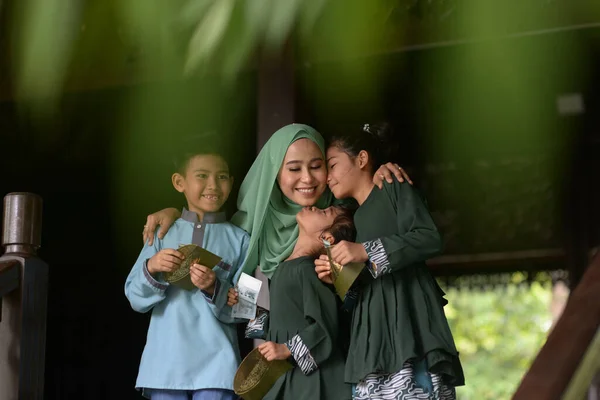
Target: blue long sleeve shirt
(191, 342)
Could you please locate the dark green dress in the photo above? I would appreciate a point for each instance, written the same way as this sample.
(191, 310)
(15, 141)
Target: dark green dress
(399, 314)
(304, 315)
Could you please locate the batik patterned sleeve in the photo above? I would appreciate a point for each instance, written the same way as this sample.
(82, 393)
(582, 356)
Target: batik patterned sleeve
(258, 327)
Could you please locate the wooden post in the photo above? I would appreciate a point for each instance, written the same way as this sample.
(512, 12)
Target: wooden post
(276, 94)
(276, 108)
(24, 291)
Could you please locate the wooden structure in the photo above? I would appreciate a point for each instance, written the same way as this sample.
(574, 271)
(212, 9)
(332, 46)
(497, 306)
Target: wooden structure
(23, 300)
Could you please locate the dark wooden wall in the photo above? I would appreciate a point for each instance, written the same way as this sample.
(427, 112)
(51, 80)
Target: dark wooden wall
(494, 184)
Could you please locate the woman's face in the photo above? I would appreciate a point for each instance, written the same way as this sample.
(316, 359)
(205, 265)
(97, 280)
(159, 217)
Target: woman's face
(313, 220)
(341, 176)
(303, 174)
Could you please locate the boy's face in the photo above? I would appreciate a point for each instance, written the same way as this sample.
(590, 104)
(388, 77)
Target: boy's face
(206, 183)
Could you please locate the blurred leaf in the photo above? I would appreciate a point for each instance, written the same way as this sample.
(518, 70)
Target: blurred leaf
(45, 30)
(192, 11)
(209, 33)
(309, 15)
(247, 29)
(257, 14)
(283, 18)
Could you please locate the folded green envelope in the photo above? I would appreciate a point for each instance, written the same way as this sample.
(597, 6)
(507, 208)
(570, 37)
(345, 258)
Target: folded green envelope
(193, 255)
(343, 276)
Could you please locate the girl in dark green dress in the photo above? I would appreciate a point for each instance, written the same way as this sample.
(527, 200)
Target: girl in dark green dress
(401, 346)
(304, 314)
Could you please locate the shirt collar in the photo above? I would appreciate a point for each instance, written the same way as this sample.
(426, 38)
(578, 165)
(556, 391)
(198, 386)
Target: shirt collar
(209, 218)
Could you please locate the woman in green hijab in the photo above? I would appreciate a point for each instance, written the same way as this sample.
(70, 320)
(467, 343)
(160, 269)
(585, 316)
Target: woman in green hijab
(289, 173)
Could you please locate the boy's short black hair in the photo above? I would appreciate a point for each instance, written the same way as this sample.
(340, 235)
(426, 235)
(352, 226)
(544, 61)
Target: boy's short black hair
(197, 145)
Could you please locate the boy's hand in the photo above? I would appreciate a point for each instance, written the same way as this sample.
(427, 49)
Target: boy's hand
(166, 260)
(346, 252)
(274, 351)
(323, 269)
(203, 278)
(232, 297)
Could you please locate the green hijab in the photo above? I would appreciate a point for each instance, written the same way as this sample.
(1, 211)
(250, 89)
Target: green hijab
(263, 211)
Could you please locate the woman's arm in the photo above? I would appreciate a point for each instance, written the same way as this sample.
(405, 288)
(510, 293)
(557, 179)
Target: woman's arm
(386, 171)
(165, 218)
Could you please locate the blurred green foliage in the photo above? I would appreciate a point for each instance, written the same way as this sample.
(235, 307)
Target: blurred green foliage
(498, 333)
(52, 39)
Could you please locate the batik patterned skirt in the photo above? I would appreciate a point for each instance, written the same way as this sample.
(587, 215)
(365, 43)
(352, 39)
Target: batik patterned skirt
(409, 383)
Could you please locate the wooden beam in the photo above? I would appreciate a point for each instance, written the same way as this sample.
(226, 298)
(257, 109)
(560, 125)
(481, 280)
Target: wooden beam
(410, 33)
(536, 254)
(276, 108)
(501, 262)
(568, 342)
(498, 263)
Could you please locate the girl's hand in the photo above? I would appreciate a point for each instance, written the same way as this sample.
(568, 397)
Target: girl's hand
(166, 260)
(232, 297)
(386, 171)
(274, 351)
(346, 252)
(323, 269)
(203, 278)
(164, 218)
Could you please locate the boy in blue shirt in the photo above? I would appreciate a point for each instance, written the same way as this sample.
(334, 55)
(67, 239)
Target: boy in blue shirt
(191, 350)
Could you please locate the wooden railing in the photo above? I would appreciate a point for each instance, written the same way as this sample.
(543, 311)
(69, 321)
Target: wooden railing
(23, 300)
(569, 360)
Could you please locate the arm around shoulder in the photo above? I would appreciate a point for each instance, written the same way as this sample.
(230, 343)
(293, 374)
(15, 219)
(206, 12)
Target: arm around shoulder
(163, 218)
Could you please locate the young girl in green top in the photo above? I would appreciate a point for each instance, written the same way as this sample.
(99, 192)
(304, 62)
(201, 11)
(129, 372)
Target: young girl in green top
(401, 346)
